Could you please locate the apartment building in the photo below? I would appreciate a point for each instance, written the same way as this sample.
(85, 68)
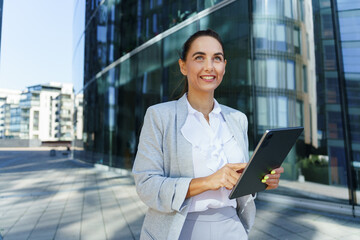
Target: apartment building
(44, 112)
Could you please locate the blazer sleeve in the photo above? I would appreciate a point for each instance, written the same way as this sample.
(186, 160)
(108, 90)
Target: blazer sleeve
(158, 191)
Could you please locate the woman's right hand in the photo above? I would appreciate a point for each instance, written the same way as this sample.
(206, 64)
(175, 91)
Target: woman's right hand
(226, 177)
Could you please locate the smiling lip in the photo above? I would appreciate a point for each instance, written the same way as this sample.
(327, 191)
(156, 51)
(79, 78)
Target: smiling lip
(208, 78)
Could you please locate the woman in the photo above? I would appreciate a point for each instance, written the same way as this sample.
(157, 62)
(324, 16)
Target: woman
(191, 153)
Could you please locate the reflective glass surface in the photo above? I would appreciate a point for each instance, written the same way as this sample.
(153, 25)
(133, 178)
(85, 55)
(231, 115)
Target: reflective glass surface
(349, 25)
(349, 20)
(347, 4)
(1, 13)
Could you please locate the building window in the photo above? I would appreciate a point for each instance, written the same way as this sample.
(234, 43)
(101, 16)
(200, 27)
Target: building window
(297, 40)
(304, 73)
(36, 121)
(272, 111)
(271, 73)
(290, 70)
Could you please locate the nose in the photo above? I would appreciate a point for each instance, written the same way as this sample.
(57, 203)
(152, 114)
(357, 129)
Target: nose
(209, 65)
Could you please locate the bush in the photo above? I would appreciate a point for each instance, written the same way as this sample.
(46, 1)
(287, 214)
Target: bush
(315, 169)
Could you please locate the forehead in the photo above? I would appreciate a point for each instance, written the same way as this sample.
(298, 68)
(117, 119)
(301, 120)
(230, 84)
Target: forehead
(206, 44)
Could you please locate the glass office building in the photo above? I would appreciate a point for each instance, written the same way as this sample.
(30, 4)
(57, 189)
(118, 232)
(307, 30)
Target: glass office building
(338, 84)
(130, 62)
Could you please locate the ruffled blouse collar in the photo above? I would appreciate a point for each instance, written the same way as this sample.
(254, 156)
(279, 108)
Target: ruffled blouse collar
(208, 138)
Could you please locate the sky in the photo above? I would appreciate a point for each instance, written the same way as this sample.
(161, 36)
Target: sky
(36, 43)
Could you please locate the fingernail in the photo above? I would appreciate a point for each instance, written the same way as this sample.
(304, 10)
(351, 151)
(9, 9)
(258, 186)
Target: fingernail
(266, 177)
(273, 172)
(263, 181)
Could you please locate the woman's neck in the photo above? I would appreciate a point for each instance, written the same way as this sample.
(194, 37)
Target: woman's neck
(203, 103)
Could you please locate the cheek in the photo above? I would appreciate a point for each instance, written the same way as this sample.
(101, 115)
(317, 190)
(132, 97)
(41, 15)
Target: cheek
(193, 69)
(220, 70)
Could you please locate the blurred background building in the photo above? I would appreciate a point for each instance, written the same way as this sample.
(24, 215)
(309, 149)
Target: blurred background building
(45, 112)
(9, 103)
(290, 63)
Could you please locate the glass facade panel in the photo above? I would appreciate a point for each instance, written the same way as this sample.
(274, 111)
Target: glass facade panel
(282, 112)
(271, 73)
(290, 70)
(327, 24)
(347, 4)
(330, 60)
(351, 55)
(349, 22)
(281, 36)
(349, 19)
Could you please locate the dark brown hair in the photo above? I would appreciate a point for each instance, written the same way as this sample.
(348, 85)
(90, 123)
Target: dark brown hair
(192, 38)
(187, 45)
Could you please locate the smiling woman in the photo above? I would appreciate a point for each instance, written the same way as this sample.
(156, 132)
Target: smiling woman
(191, 153)
(204, 66)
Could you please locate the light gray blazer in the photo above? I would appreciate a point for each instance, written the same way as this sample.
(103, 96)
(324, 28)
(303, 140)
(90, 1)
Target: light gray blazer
(163, 168)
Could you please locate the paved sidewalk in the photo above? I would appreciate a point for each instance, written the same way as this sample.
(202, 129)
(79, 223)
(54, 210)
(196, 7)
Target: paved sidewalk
(43, 197)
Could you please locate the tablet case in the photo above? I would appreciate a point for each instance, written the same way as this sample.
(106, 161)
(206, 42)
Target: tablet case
(269, 154)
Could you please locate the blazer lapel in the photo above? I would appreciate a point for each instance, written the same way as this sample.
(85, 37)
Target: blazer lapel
(183, 147)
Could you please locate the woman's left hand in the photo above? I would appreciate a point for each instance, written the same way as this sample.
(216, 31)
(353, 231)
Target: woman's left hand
(272, 179)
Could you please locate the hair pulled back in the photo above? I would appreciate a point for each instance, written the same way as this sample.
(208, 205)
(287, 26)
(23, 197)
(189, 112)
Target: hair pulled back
(187, 45)
(192, 38)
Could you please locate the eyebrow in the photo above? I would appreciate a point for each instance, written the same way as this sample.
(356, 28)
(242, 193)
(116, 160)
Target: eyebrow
(202, 53)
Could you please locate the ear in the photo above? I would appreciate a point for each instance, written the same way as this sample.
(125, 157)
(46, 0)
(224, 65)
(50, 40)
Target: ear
(225, 66)
(182, 65)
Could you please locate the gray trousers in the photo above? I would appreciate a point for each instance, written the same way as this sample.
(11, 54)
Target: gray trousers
(213, 224)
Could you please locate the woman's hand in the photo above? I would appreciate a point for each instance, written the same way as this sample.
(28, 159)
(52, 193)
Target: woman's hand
(272, 179)
(226, 177)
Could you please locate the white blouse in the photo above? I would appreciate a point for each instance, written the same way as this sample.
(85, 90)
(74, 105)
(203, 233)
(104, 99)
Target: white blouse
(213, 146)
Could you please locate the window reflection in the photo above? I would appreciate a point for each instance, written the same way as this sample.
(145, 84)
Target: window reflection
(348, 4)
(272, 112)
(329, 55)
(327, 24)
(351, 55)
(275, 73)
(290, 70)
(349, 25)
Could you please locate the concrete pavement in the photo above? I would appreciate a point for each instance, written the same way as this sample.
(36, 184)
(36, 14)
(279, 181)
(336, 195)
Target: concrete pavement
(43, 197)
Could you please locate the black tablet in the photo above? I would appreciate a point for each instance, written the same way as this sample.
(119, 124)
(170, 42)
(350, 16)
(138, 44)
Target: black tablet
(269, 154)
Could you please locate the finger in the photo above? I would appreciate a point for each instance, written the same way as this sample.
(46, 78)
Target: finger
(233, 178)
(272, 176)
(229, 184)
(235, 174)
(272, 183)
(270, 179)
(277, 170)
(237, 166)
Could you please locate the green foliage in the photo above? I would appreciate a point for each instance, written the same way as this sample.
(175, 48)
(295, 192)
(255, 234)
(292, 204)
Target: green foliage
(315, 169)
(313, 160)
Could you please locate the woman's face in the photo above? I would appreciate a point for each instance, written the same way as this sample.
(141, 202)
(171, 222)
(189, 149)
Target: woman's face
(204, 65)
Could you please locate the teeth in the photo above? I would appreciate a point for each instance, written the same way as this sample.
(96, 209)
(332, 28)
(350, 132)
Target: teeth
(208, 78)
